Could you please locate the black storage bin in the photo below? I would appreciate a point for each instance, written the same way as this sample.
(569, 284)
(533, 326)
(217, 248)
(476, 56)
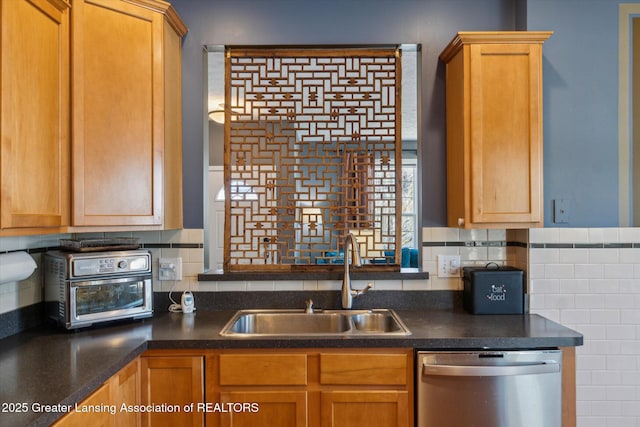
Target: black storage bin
(493, 290)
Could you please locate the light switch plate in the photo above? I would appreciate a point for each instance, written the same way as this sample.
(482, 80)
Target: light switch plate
(560, 211)
(170, 269)
(448, 265)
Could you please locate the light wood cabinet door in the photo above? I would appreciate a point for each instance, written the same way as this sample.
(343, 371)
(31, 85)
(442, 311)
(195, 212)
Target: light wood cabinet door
(126, 113)
(125, 390)
(494, 129)
(366, 388)
(102, 418)
(34, 124)
(263, 408)
(384, 408)
(172, 380)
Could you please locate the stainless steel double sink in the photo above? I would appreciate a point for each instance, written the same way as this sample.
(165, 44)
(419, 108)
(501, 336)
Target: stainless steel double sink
(361, 323)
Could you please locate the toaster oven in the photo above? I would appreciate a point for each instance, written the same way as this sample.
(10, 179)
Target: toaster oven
(83, 289)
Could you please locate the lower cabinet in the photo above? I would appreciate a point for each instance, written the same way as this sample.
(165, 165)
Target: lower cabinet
(174, 381)
(122, 388)
(364, 408)
(83, 419)
(125, 390)
(310, 387)
(369, 388)
(263, 408)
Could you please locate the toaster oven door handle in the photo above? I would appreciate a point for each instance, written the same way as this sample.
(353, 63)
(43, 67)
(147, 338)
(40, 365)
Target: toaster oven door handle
(73, 313)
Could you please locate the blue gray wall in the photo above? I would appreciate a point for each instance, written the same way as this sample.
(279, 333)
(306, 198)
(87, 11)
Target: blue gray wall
(580, 107)
(580, 88)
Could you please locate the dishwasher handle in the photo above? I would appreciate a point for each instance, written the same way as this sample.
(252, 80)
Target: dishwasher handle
(546, 367)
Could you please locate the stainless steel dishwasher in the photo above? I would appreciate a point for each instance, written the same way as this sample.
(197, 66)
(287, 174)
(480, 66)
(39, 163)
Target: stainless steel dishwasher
(489, 388)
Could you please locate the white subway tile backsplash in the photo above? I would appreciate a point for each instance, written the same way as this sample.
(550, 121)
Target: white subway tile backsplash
(544, 235)
(573, 235)
(559, 271)
(559, 301)
(472, 253)
(588, 271)
(473, 234)
(444, 234)
(591, 393)
(629, 256)
(605, 317)
(591, 363)
(574, 286)
(416, 285)
(629, 234)
(575, 316)
(606, 408)
(388, 285)
(604, 256)
(262, 285)
(232, 286)
(603, 346)
(604, 235)
(329, 285)
(631, 409)
(631, 317)
(621, 363)
(618, 271)
(496, 234)
(573, 256)
(606, 377)
(593, 421)
(544, 256)
(589, 301)
(536, 271)
(606, 288)
(619, 301)
(544, 286)
(632, 377)
(620, 332)
(289, 285)
(310, 285)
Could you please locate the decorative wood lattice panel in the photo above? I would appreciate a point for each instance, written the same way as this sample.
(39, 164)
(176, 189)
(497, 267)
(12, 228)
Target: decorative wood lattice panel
(312, 152)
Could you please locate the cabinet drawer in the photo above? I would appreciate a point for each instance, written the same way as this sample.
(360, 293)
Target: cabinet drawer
(365, 369)
(263, 369)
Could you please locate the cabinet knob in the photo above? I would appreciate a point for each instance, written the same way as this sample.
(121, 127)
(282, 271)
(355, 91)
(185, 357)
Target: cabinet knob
(460, 222)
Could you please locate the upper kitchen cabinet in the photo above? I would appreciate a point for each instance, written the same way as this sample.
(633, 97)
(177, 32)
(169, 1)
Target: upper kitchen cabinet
(494, 129)
(34, 124)
(127, 145)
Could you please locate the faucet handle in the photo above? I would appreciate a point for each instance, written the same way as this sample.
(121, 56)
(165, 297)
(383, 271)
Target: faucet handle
(309, 308)
(363, 291)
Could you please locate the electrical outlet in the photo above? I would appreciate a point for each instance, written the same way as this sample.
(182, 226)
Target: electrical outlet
(448, 265)
(170, 269)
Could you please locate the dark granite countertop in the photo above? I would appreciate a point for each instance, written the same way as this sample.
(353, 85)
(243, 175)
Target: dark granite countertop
(49, 366)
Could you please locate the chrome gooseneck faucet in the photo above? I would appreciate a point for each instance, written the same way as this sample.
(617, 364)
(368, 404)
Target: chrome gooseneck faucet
(349, 294)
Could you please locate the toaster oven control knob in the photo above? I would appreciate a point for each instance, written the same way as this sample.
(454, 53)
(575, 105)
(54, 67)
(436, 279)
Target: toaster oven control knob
(122, 264)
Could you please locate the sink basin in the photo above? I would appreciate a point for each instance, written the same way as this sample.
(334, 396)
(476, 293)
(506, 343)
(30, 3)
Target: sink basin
(361, 323)
(376, 322)
(263, 323)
